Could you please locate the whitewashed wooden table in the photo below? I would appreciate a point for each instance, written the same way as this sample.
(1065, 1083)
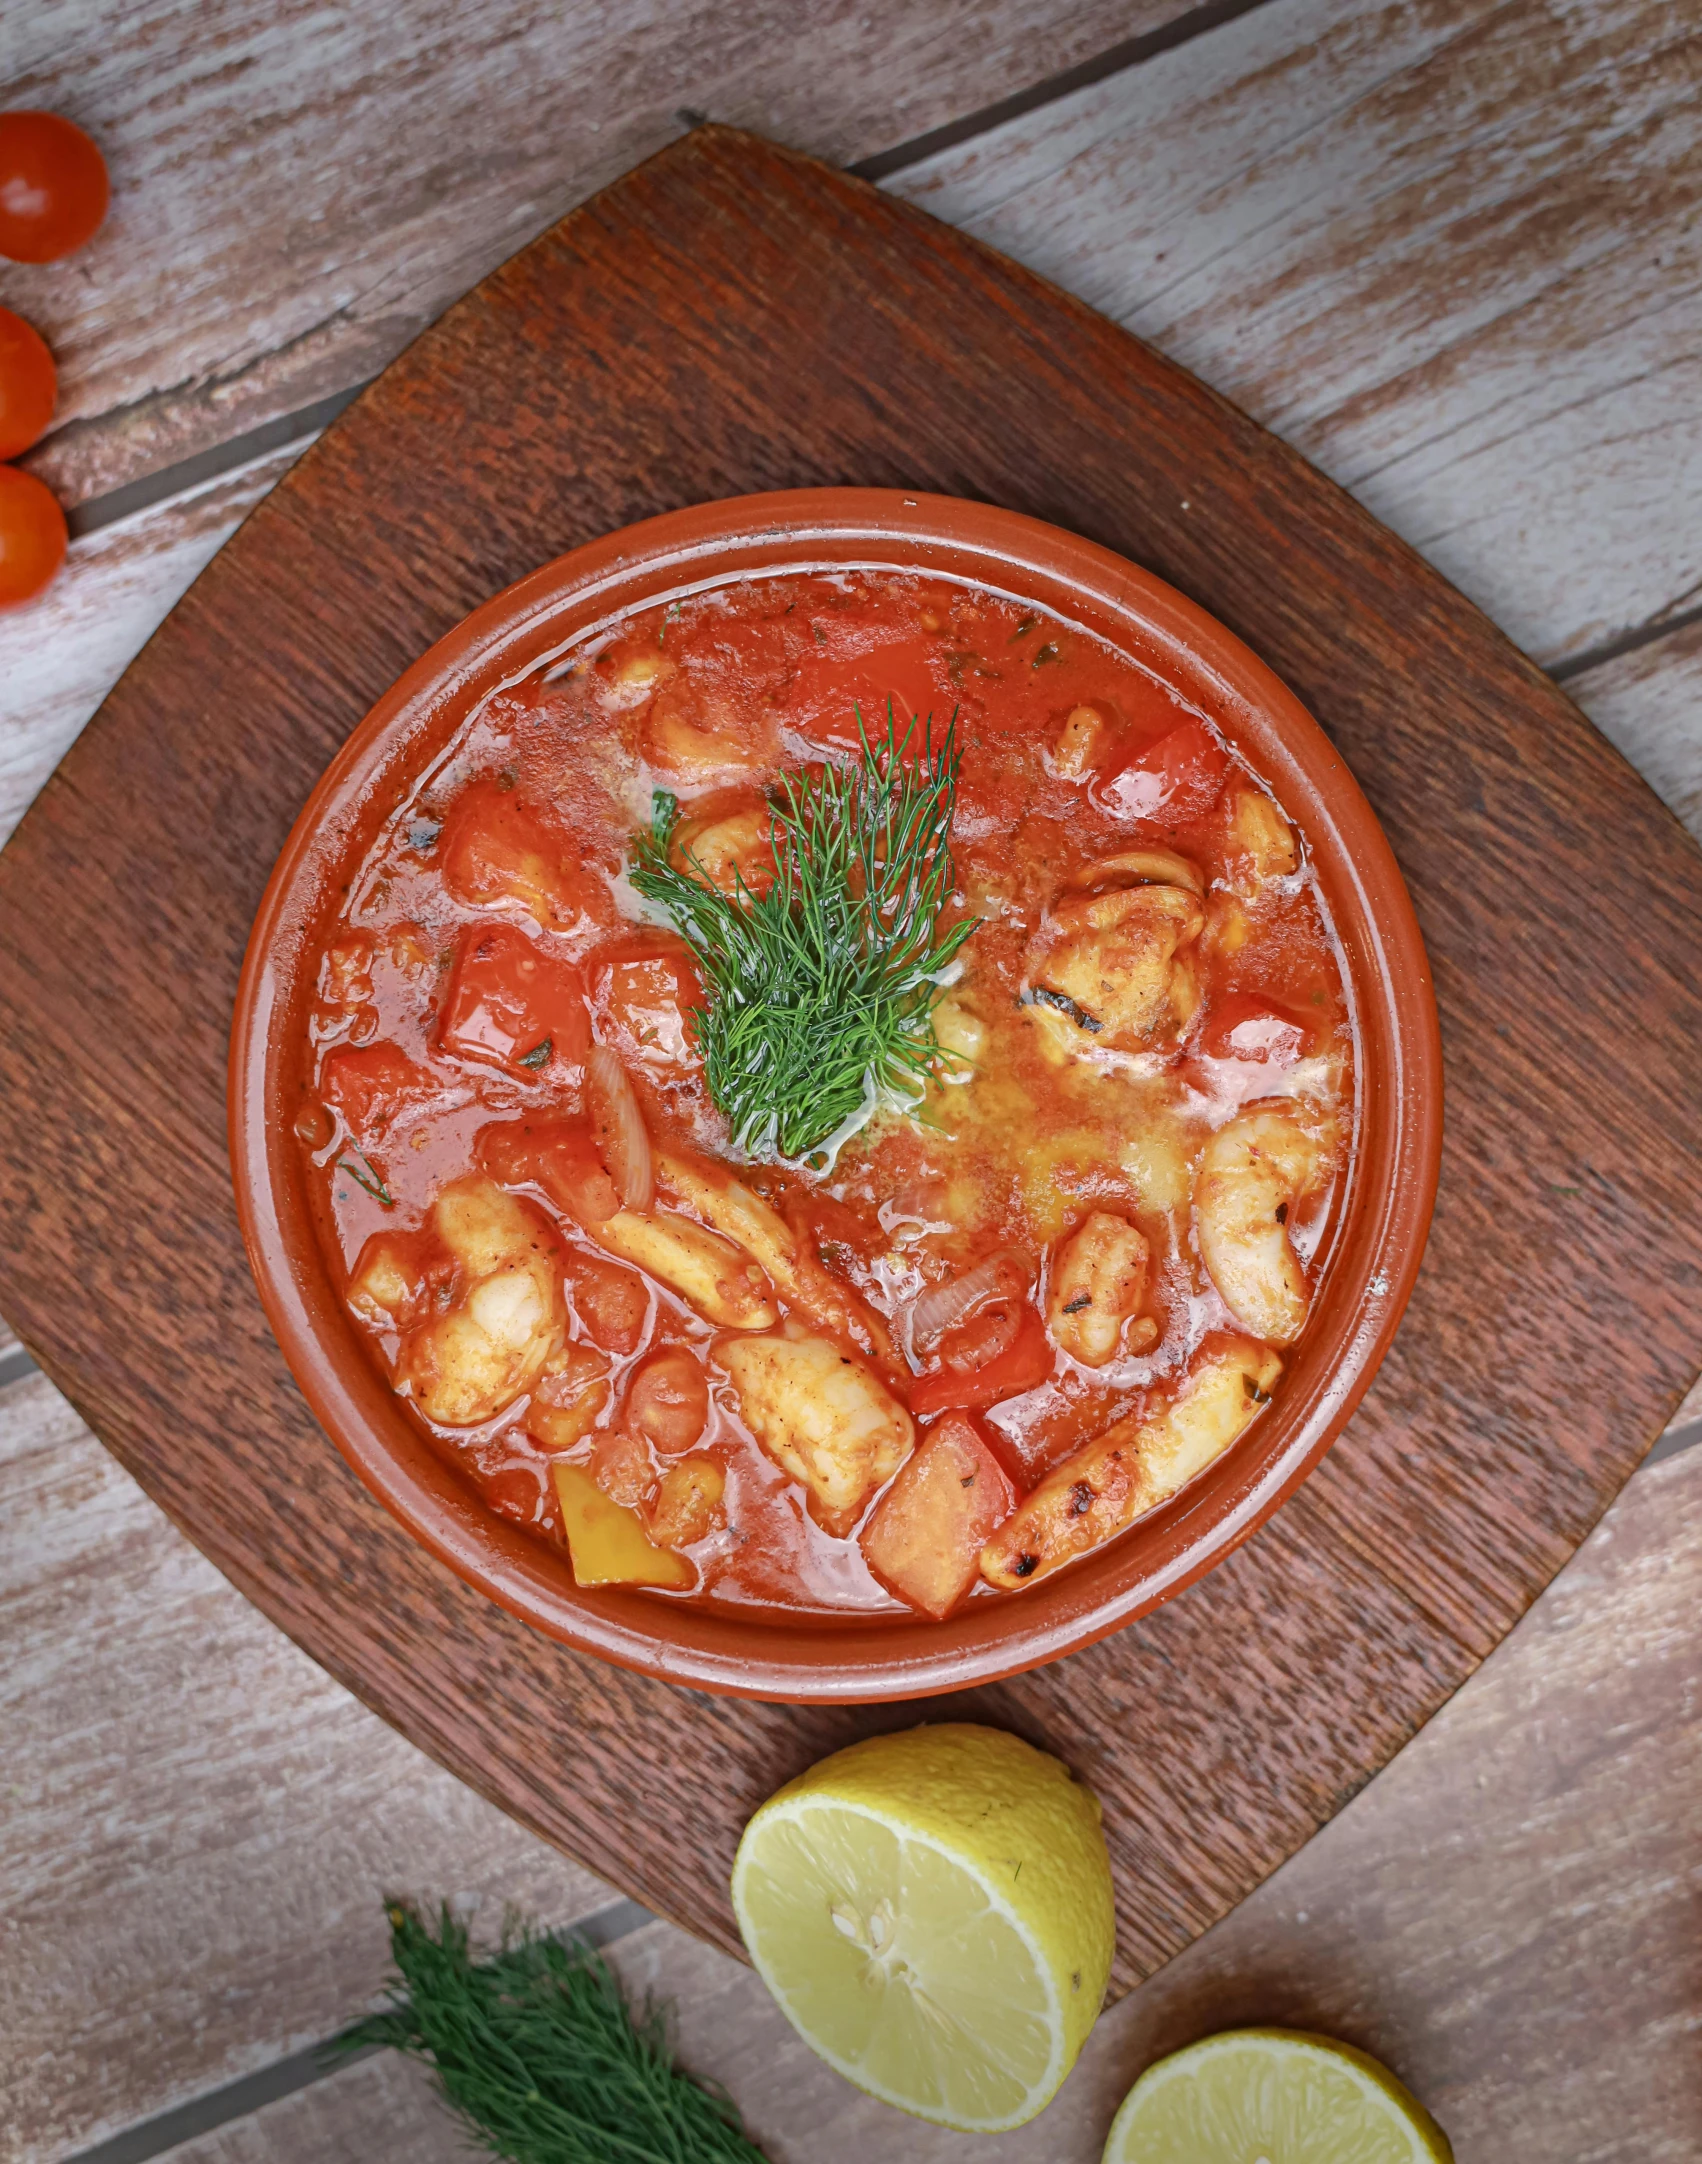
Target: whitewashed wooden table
(1452, 250)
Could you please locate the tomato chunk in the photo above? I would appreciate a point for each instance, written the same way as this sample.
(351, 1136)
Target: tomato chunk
(494, 849)
(925, 1535)
(611, 1301)
(1244, 1026)
(513, 1006)
(557, 1155)
(1025, 1361)
(853, 675)
(1177, 778)
(372, 1085)
(647, 996)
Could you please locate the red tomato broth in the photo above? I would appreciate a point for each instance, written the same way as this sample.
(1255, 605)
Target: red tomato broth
(1015, 1156)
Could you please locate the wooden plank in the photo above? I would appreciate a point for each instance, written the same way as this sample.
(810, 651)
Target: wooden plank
(382, 2110)
(1649, 701)
(199, 1824)
(1450, 250)
(61, 654)
(1505, 1915)
(785, 361)
(1526, 420)
(298, 192)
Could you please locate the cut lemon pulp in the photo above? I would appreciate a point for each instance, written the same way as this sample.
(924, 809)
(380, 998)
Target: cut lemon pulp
(1272, 2096)
(932, 1912)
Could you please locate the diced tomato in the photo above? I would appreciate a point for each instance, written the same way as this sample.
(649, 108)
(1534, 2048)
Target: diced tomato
(925, 1535)
(611, 1301)
(1026, 1361)
(372, 1085)
(1244, 1026)
(557, 1155)
(494, 848)
(512, 1005)
(834, 685)
(1175, 779)
(647, 994)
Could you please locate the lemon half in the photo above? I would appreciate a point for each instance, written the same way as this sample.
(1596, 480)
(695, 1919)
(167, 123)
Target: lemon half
(1272, 2096)
(932, 1912)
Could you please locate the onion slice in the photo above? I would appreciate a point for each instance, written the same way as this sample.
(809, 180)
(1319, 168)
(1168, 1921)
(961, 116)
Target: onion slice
(1006, 1273)
(617, 1128)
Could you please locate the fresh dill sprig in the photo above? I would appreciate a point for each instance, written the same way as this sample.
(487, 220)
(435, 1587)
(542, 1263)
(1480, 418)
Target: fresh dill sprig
(540, 2056)
(820, 991)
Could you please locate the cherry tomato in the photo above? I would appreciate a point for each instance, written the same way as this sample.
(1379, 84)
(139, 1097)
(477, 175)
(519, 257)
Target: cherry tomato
(28, 381)
(611, 1301)
(32, 536)
(53, 187)
(1019, 1368)
(670, 1400)
(1176, 779)
(512, 1005)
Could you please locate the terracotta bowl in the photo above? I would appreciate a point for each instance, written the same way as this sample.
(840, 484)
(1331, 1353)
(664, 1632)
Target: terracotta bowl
(1375, 1251)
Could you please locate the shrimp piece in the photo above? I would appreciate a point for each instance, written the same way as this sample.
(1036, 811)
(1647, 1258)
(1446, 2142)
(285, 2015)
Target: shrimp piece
(730, 1206)
(464, 1367)
(822, 1417)
(1114, 960)
(732, 852)
(1261, 838)
(1253, 1173)
(1079, 743)
(1098, 1284)
(1134, 1466)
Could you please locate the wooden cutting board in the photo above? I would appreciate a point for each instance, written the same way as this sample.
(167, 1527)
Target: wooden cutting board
(733, 317)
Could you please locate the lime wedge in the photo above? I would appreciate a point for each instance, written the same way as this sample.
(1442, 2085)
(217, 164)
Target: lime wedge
(1272, 2096)
(932, 1912)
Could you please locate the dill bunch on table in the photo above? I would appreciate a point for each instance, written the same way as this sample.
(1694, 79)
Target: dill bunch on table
(541, 2057)
(820, 991)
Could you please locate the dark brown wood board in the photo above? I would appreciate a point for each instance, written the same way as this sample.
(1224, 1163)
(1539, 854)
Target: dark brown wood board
(734, 317)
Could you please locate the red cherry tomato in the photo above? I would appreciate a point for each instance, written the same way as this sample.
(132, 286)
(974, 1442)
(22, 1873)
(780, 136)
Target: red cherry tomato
(53, 187)
(28, 380)
(1176, 779)
(32, 536)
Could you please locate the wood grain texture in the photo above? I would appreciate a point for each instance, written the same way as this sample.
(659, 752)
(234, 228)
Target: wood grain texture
(1508, 1917)
(1451, 250)
(1649, 702)
(61, 654)
(300, 189)
(816, 331)
(1515, 193)
(383, 2110)
(197, 1825)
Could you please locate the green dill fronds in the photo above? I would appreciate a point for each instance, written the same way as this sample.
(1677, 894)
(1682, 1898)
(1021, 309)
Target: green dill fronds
(540, 2055)
(820, 991)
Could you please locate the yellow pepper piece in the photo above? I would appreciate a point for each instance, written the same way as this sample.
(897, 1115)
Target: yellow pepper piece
(607, 1543)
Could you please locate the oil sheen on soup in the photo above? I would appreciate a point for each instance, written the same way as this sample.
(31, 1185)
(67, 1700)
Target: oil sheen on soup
(832, 1096)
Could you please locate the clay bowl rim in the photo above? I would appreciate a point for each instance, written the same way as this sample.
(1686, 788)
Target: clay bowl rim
(1375, 1250)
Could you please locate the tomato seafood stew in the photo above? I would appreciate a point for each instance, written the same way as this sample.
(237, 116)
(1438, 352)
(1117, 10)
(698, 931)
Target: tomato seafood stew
(833, 1095)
